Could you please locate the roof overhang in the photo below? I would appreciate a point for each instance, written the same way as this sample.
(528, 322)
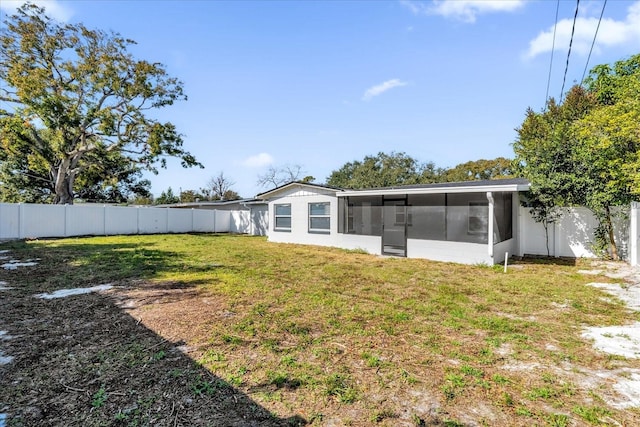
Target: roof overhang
(497, 187)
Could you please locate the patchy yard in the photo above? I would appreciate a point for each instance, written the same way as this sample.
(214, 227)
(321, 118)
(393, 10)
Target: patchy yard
(232, 330)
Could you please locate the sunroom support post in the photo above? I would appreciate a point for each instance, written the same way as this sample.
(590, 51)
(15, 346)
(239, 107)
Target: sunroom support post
(490, 224)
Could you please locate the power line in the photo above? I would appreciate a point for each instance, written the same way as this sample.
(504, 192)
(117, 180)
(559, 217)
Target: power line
(553, 47)
(593, 43)
(573, 29)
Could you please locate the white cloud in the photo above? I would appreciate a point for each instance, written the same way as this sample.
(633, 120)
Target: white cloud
(463, 10)
(381, 88)
(258, 160)
(53, 8)
(611, 33)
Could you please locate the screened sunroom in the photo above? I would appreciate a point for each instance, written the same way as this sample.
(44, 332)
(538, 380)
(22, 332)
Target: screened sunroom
(440, 221)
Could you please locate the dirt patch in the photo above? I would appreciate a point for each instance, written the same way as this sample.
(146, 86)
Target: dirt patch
(83, 361)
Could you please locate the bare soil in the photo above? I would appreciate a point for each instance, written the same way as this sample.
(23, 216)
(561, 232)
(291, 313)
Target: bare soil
(84, 361)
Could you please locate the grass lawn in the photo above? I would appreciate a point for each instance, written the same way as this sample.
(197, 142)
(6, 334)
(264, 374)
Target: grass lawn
(344, 338)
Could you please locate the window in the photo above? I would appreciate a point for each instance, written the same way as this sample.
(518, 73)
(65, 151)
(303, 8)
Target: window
(283, 217)
(478, 218)
(319, 219)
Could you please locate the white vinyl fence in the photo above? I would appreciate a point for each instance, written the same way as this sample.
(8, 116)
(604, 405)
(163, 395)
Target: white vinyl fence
(634, 234)
(18, 221)
(573, 235)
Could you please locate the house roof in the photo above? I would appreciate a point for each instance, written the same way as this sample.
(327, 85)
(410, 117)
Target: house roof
(509, 185)
(312, 185)
(213, 203)
(496, 185)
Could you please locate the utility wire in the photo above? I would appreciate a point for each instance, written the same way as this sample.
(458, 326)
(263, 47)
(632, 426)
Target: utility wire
(553, 47)
(593, 43)
(573, 29)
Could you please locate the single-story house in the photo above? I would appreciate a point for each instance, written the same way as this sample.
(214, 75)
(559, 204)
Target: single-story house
(466, 222)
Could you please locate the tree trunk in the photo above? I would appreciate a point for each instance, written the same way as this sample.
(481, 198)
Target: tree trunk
(545, 224)
(612, 240)
(64, 184)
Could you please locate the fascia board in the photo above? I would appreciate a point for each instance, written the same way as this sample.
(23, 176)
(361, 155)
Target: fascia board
(438, 190)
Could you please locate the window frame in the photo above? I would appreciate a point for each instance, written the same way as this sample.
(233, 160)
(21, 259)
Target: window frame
(276, 217)
(313, 216)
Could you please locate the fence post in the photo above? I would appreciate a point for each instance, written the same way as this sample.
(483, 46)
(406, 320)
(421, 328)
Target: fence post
(634, 236)
(21, 231)
(66, 220)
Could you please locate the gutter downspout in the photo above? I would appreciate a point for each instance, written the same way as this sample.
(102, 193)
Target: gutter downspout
(490, 225)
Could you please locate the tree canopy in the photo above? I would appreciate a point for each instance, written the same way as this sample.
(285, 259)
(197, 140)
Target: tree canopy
(381, 170)
(585, 150)
(398, 168)
(76, 98)
(500, 167)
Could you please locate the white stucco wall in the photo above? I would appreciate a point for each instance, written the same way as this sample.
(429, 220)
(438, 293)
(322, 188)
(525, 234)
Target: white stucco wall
(503, 248)
(370, 244)
(439, 250)
(299, 198)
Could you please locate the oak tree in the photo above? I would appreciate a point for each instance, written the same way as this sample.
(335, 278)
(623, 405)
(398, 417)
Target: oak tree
(72, 95)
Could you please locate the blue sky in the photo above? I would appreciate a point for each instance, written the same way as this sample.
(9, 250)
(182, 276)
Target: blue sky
(322, 83)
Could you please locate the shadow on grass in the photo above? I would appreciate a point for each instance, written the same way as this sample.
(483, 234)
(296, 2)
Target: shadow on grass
(74, 265)
(547, 260)
(83, 361)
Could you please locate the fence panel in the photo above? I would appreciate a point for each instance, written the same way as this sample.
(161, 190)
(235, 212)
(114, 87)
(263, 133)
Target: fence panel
(121, 220)
(532, 236)
(19, 221)
(84, 220)
(572, 235)
(179, 220)
(634, 234)
(152, 221)
(42, 220)
(222, 222)
(9, 221)
(204, 220)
